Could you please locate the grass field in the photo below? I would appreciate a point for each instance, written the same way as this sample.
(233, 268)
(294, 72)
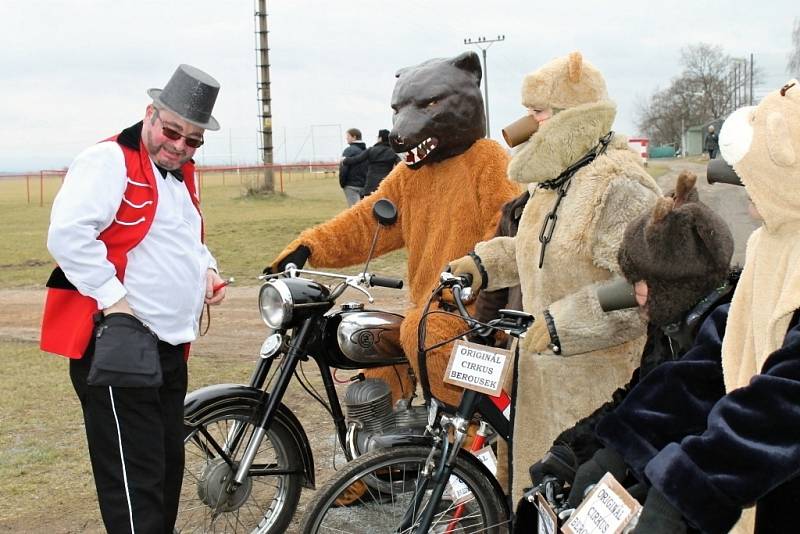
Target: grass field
(243, 232)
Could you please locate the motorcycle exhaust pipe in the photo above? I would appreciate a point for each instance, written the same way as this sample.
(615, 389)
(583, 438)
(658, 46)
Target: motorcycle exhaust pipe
(718, 171)
(618, 295)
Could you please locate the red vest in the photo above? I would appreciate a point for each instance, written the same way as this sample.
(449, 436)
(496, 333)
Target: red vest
(67, 321)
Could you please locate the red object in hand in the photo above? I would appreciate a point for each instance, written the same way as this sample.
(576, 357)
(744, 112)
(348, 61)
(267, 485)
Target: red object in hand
(222, 284)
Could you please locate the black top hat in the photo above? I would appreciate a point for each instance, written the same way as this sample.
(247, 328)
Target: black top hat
(191, 94)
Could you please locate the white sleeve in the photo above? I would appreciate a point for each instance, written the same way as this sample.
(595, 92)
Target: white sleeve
(85, 206)
(212, 262)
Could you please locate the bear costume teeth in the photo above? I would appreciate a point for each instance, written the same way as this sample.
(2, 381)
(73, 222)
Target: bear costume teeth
(421, 151)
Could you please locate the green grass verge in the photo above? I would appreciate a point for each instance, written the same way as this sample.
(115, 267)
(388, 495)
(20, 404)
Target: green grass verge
(244, 233)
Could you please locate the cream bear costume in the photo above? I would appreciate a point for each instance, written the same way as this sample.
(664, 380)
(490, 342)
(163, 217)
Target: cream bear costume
(719, 430)
(586, 185)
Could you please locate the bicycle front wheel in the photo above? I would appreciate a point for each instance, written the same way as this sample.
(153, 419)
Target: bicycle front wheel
(379, 491)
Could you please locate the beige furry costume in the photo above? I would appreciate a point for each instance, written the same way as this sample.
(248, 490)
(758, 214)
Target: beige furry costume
(598, 351)
(443, 209)
(763, 145)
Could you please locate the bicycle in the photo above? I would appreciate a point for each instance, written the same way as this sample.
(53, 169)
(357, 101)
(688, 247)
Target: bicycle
(427, 483)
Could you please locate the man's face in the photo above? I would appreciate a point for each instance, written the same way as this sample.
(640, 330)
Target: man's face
(349, 138)
(166, 152)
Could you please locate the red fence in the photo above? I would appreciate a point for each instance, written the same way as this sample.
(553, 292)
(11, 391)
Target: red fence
(39, 180)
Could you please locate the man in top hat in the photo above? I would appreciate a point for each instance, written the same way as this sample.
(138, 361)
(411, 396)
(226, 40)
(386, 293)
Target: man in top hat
(125, 299)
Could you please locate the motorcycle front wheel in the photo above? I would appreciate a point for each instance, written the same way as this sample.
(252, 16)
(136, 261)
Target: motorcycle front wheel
(374, 493)
(263, 504)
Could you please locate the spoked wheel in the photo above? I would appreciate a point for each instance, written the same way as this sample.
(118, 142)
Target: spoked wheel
(374, 493)
(263, 503)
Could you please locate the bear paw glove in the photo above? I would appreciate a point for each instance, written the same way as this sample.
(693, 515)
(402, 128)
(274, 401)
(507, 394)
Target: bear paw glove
(471, 265)
(298, 256)
(537, 338)
(659, 516)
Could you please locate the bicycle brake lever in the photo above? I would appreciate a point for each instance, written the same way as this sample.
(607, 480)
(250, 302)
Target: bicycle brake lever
(355, 285)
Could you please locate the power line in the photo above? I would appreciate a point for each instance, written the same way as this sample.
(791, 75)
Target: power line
(483, 43)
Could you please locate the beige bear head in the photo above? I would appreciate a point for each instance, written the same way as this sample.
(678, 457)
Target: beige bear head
(762, 143)
(563, 83)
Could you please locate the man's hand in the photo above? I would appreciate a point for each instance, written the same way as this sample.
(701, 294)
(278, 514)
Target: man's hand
(469, 264)
(213, 279)
(298, 256)
(121, 306)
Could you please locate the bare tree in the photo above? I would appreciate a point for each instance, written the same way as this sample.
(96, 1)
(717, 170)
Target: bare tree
(709, 87)
(794, 55)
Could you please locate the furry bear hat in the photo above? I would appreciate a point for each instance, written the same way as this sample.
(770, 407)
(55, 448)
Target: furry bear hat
(563, 83)
(682, 249)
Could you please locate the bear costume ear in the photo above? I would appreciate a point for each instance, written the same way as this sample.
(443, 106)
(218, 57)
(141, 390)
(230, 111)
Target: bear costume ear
(575, 67)
(683, 189)
(470, 62)
(779, 140)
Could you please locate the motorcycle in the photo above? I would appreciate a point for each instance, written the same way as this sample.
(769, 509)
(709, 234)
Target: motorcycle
(247, 455)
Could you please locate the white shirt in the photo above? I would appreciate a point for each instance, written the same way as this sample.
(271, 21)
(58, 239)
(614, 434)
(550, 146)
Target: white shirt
(165, 277)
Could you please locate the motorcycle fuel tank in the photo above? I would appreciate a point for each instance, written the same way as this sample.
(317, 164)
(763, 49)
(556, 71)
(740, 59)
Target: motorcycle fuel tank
(370, 338)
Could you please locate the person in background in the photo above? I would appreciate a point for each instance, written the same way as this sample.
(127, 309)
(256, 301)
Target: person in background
(352, 177)
(124, 301)
(711, 143)
(380, 159)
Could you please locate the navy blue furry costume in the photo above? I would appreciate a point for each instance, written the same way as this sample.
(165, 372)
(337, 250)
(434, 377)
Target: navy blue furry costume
(679, 422)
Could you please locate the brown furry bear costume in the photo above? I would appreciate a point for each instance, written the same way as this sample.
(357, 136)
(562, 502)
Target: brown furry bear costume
(590, 353)
(446, 202)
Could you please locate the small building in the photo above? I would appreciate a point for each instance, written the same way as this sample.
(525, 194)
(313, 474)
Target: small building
(696, 136)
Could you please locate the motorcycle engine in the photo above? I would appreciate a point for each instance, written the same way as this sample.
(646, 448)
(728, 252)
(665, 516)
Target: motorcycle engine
(369, 413)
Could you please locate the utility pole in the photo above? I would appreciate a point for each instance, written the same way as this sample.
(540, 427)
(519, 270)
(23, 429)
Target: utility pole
(263, 94)
(483, 43)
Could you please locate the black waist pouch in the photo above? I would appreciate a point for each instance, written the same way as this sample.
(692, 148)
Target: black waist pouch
(125, 354)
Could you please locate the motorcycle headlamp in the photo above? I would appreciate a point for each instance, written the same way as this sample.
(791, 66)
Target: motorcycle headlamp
(275, 304)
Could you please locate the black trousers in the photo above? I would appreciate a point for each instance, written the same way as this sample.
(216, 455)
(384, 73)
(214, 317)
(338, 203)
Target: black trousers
(135, 438)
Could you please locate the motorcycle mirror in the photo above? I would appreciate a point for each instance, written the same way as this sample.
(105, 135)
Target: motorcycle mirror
(384, 212)
(616, 296)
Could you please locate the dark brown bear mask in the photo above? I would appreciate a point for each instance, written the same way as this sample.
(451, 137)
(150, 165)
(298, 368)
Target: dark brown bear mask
(438, 109)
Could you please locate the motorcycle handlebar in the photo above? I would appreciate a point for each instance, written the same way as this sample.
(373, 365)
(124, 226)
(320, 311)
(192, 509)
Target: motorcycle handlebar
(385, 281)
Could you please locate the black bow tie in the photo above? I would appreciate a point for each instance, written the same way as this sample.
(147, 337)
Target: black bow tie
(176, 173)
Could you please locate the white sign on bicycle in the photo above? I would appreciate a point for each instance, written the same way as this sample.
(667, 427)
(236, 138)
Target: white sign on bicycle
(477, 367)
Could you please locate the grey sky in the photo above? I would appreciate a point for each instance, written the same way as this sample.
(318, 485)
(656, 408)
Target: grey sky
(76, 71)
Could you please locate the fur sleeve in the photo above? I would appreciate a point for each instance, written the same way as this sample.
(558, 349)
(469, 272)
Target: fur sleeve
(582, 326)
(750, 447)
(346, 239)
(499, 258)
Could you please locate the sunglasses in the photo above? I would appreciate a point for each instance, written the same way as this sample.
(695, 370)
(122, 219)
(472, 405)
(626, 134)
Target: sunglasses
(175, 135)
